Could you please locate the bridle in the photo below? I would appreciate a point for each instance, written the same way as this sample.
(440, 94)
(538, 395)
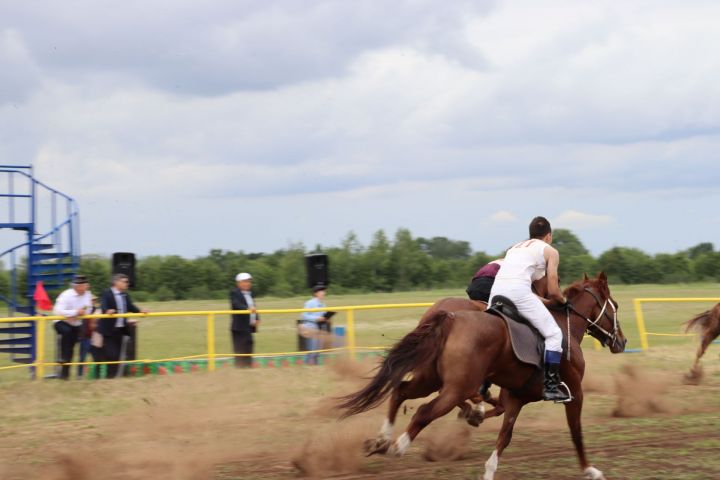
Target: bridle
(610, 338)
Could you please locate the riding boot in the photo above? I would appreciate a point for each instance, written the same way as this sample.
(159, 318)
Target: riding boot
(554, 389)
(484, 391)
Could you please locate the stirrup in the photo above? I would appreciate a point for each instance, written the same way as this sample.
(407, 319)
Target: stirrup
(567, 389)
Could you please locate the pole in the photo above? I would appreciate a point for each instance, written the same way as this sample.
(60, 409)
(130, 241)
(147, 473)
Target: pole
(211, 341)
(351, 334)
(641, 324)
(39, 348)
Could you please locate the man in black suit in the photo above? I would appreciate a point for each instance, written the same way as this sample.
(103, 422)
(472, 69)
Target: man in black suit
(243, 325)
(116, 300)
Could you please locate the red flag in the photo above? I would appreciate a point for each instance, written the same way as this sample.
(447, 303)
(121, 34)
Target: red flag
(42, 301)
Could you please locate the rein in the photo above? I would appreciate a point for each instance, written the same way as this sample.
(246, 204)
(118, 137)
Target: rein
(608, 336)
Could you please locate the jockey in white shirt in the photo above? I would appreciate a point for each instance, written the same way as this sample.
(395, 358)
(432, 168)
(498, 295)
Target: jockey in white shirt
(524, 263)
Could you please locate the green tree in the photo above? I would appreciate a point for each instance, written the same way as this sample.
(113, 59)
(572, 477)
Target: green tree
(629, 265)
(378, 264)
(97, 269)
(700, 249)
(568, 244)
(410, 265)
(444, 248)
(674, 267)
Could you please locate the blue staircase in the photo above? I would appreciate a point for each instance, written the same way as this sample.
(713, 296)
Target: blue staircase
(49, 224)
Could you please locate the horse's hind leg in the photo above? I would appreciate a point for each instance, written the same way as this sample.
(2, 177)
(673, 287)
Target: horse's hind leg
(439, 406)
(694, 376)
(407, 390)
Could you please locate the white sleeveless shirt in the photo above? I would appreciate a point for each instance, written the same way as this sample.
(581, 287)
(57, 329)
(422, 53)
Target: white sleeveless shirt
(524, 263)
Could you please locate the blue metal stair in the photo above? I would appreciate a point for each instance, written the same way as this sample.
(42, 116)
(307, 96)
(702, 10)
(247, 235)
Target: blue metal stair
(50, 253)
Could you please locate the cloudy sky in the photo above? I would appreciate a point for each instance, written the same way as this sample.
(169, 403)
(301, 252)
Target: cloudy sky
(182, 126)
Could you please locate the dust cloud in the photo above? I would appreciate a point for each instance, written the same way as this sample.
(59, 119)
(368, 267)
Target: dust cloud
(449, 442)
(639, 393)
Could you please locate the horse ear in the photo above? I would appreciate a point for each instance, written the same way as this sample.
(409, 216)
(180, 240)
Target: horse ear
(602, 277)
(585, 277)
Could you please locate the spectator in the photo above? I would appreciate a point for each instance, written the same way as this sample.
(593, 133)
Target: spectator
(243, 324)
(483, 280)
(312, 321)
(114, 330)
(71, 304)
(86, 330)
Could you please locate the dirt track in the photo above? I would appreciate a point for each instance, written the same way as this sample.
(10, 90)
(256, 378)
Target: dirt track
(251, 425)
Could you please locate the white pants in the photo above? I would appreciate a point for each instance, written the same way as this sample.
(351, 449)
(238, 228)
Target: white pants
(530, 307)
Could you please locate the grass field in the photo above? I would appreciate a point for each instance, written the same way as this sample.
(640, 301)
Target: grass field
(250, 424)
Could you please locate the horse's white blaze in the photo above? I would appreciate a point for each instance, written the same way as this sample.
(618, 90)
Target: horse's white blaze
(491, 466)
(592, 473)
(386, 430)
(401, 445)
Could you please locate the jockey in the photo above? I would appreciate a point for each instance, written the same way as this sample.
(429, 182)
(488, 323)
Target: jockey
(482, 281)
(524, 263)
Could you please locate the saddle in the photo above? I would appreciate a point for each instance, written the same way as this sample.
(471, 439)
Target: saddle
(527, 343)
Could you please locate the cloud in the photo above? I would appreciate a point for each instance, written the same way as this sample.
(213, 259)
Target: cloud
(503, 216)
(575, 219)
(476, 106)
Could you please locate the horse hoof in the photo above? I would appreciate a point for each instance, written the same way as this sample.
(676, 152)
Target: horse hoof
(376, 446)
(694, 376)
(475, 418)
(592, 473)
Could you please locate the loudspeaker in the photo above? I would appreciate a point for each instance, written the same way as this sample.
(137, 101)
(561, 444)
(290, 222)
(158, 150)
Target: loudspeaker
(124, 262)
(316, 266)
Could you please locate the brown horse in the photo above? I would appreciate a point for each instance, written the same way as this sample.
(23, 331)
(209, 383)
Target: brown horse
(708, 325)
(455, 352)
(473, 412)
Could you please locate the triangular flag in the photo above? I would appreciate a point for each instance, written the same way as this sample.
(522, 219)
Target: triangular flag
(42, 301)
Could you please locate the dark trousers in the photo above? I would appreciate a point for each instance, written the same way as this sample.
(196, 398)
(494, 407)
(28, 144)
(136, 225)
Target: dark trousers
(111, 350)
(242, 343)
(84, 350)
(68, 338)
(97, 356)
(479, 289)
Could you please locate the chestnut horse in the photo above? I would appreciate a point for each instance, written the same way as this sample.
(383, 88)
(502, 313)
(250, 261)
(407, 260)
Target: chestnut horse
(473, 414)
(455, 352)
(708, 325)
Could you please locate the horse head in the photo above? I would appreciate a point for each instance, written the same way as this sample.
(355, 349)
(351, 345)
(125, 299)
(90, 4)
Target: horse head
(590, 299)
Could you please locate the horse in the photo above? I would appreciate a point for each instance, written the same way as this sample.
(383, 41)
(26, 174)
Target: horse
(455, 352)
(473, 411)
(708, 325)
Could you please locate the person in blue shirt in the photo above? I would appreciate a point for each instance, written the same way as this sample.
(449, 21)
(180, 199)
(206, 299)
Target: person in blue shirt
(311, 322)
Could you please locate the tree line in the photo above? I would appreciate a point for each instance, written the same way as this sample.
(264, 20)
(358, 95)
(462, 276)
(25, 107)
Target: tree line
(402, 263)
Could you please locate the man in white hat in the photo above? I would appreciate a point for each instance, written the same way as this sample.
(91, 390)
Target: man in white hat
(243, 325)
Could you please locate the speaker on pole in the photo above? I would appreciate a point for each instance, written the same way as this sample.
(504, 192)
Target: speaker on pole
(124, 262)
(317, 268)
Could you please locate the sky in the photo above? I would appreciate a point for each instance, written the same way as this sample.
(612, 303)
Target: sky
(181, 126)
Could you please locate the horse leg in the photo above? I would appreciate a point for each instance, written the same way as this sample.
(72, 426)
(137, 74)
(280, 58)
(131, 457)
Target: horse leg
(472, 412)
(513, 405)
(573, 413)
(406, 391)
(694, 376)
(439, 406)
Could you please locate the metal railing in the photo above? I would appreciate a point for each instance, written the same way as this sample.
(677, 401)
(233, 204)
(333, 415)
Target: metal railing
(40, 363)
(640, 318)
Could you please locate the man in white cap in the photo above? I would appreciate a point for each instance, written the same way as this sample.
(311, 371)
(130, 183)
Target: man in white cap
(243, 325)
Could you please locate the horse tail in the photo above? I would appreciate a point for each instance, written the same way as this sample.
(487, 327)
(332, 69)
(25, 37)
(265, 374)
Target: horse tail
(698, 322)
(417, 350)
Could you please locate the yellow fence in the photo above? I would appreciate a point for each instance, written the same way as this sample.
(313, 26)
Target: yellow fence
(211, 354)
(640, 319)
